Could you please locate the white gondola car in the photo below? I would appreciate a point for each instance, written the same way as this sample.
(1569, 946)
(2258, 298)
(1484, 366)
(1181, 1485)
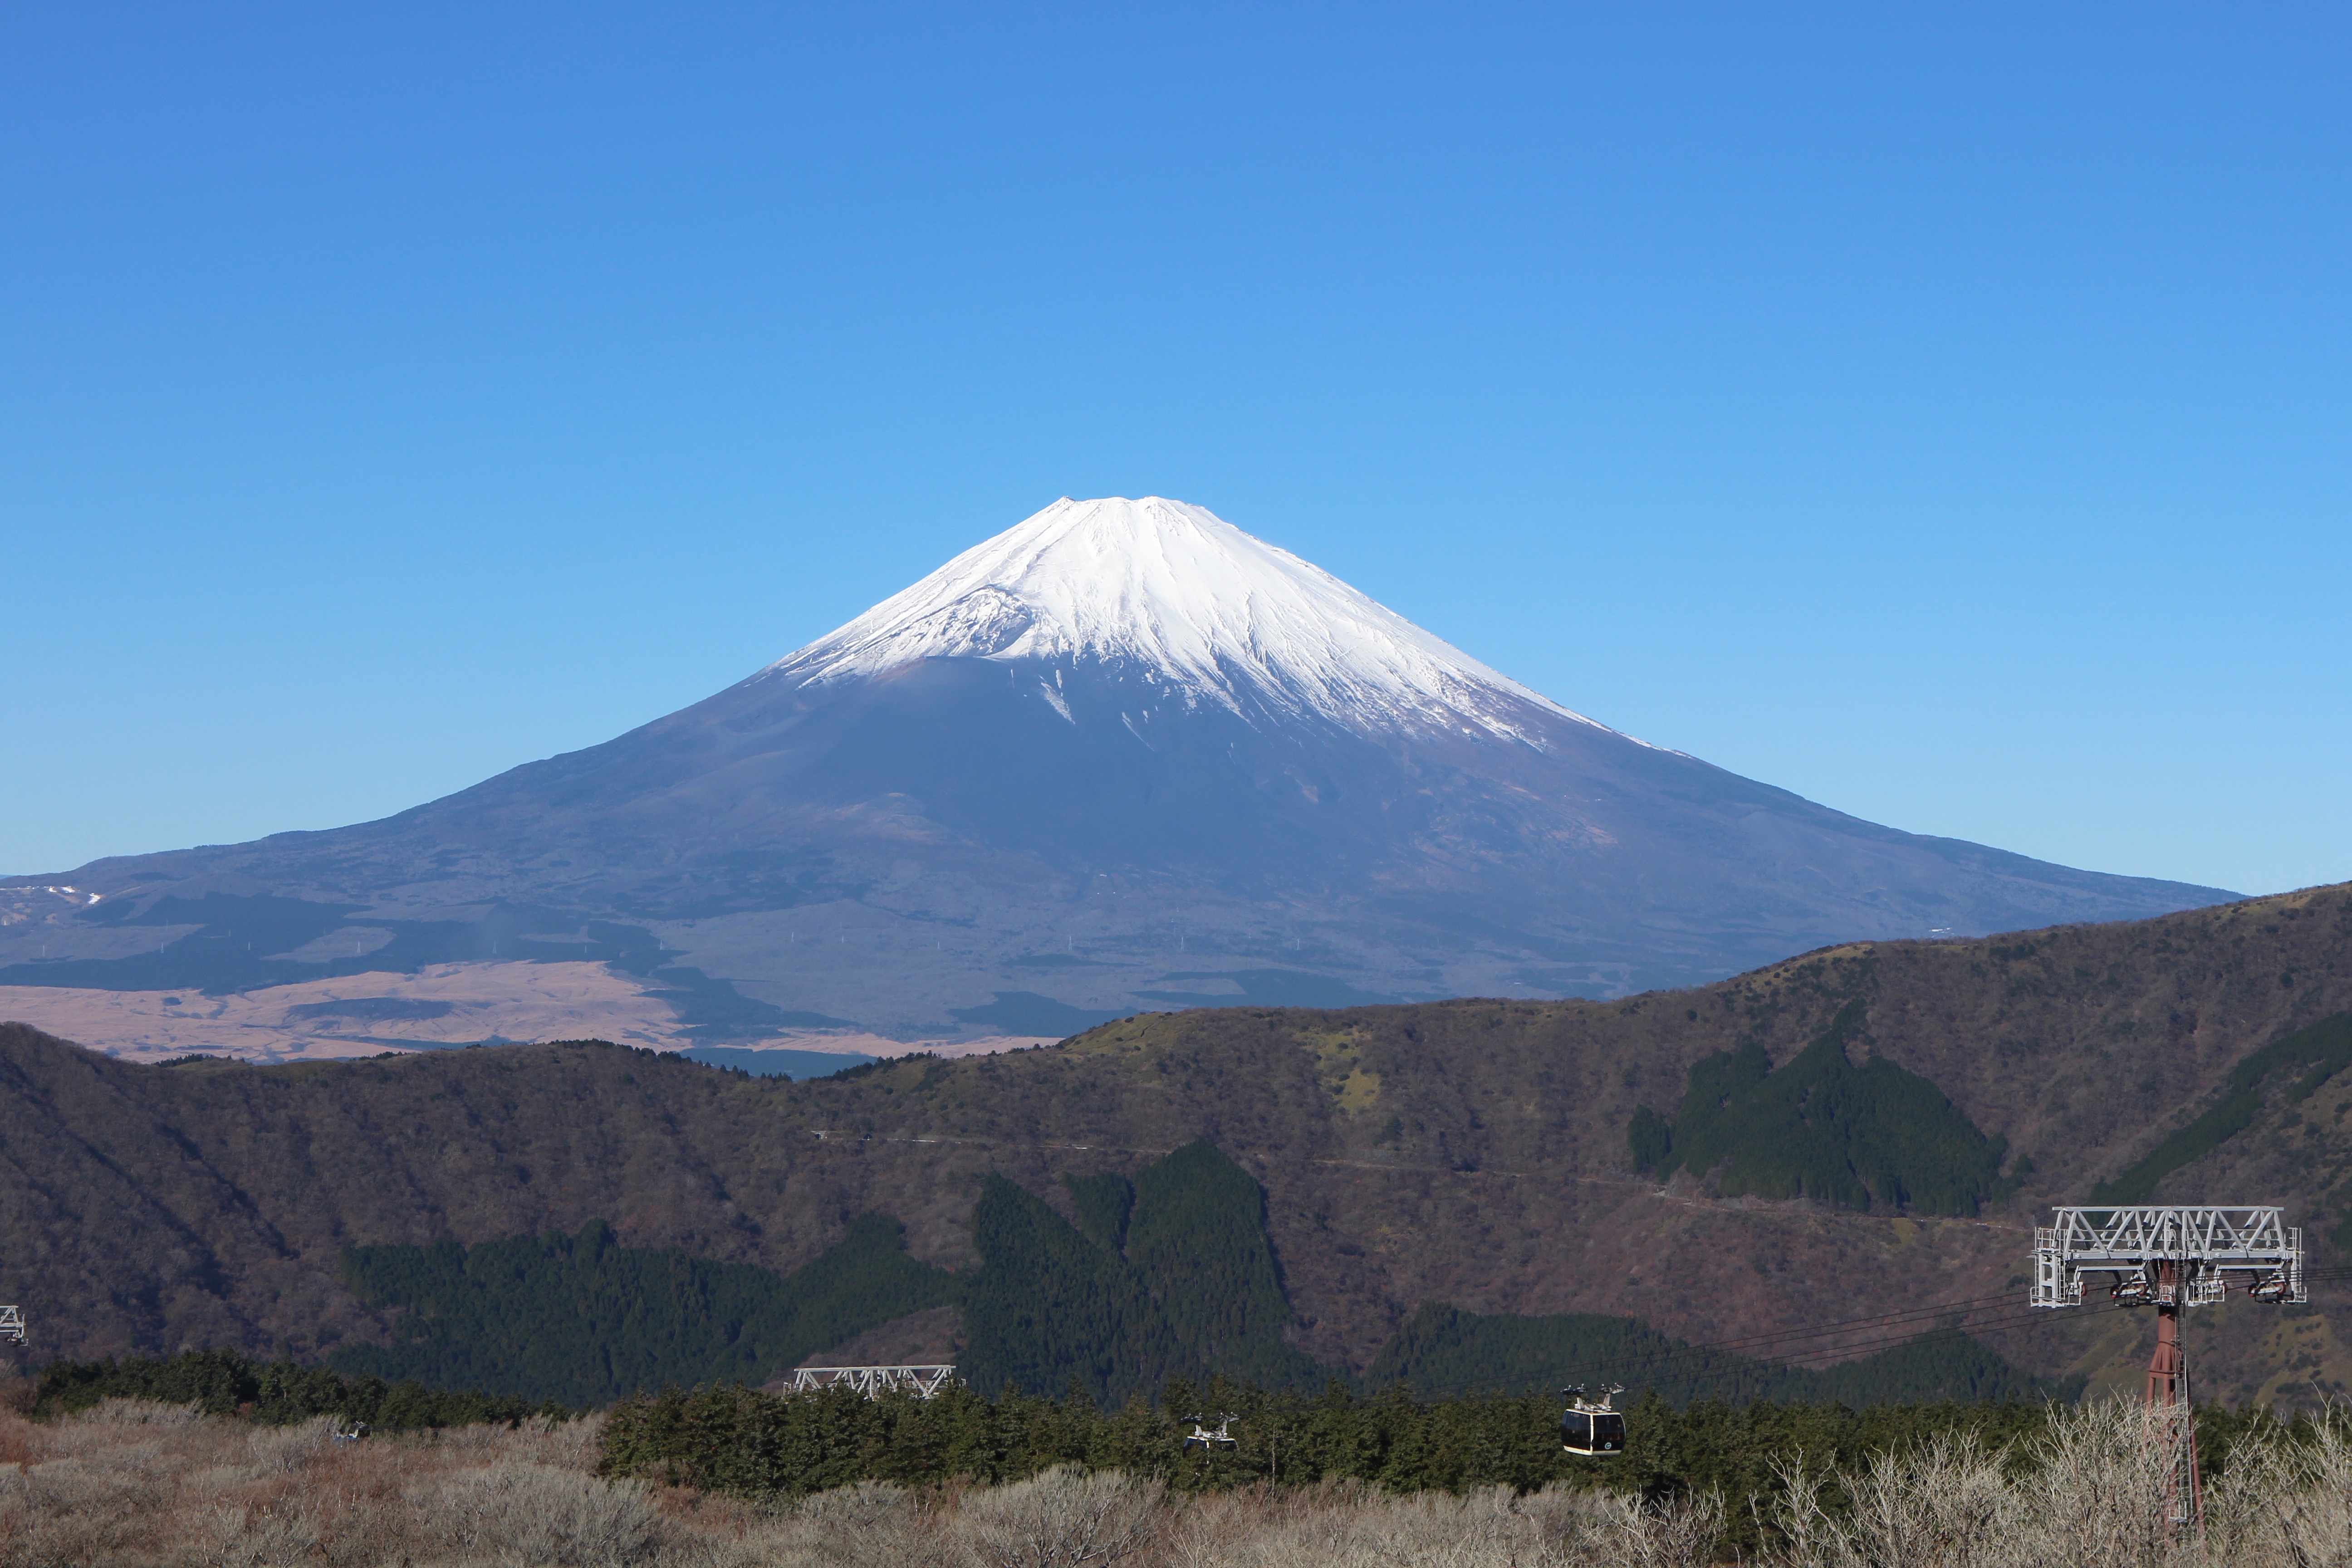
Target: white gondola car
(1596, 1430)
(1201, 1437)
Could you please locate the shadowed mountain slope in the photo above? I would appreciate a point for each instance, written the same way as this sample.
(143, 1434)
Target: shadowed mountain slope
(1474, 1154)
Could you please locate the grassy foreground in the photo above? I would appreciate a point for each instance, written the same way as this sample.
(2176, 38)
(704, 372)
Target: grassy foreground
(145, 1485)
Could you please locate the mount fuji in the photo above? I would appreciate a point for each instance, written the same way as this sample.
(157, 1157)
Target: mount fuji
(1122, 756)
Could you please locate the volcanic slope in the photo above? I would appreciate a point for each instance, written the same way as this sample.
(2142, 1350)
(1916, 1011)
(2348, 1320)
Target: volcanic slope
(1123, 755)
(1474, 1154)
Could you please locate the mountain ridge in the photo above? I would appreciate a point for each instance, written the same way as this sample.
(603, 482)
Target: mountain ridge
(1470, 1152)
(1158, 775)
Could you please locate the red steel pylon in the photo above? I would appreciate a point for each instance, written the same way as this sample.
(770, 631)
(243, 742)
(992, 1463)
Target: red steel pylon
(2171, 1428)
(2170, 1257)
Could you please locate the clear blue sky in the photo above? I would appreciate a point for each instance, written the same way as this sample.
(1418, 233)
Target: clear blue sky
(1938, 410)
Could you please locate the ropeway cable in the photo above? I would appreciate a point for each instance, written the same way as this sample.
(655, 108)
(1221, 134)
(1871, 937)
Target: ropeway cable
(1802, 1360)
(1827, 1353)
(1874, 1320)
(1682, 1356)
(1746, 1342)
(2002, 1324)
(1741, 1346)
(1998, 1325)
(1669, 1365)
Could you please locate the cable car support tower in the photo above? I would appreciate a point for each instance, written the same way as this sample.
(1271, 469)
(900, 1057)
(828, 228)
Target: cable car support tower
(2171, 1259)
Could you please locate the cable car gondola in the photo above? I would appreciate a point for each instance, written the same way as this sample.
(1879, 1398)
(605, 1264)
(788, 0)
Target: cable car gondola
(1595, 1430)
(1201, 1437)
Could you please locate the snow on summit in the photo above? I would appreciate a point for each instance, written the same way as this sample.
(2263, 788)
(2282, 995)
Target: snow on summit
(1223, 616)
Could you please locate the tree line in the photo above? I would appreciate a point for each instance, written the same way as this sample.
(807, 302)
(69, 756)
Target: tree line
(746, 1444)
(278, 1393)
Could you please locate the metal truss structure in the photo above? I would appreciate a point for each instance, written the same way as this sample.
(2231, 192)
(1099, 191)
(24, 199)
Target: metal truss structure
(2170, 1259)
(2203, 1244)
(922, 1382)
(11, 1325)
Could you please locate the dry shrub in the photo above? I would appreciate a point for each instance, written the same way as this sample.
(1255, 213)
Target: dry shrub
(872, 1525)
(2286, 1502)
(1934, 1506)
(133, 1483)
(1340, 1524)
(1666, 1532)
(1062, 1519)
(530, 1514)
(2092, 1489)
(152, 1485)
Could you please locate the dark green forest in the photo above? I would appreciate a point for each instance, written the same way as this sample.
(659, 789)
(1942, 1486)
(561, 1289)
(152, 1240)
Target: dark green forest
(1199, 1239)
(1169, 1275)
(223, 1383)
(1819, 1127)
(1172, 1275)
(584, 1320)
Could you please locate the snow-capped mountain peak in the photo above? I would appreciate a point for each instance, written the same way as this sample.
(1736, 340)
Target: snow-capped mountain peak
(1223, 616)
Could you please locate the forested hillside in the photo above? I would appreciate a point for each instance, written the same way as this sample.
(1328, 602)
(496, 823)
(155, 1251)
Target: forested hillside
(1188, 1290)
(1172, 1275)
(583, 1320)
(1925, 1099)
(1819, 1127)
(1191, 1295)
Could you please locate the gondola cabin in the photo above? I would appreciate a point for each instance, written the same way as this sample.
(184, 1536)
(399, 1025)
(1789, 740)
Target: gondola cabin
(1596, 1430)
(1201, 1437)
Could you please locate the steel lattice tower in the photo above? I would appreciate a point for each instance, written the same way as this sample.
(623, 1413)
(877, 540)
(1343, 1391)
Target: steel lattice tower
(2170, 1259)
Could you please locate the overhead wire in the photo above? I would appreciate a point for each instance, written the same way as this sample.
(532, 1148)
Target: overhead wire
(1646, 1375)
(1686, 1357)
(1745, 1343)
(1818, 1330)
(2015, 1319)
(2012, 1320)
(1683, 1361)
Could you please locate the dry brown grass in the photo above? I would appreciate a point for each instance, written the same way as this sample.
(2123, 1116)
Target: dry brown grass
(133, 1483)
(136, 1484)
(2093, 1491)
